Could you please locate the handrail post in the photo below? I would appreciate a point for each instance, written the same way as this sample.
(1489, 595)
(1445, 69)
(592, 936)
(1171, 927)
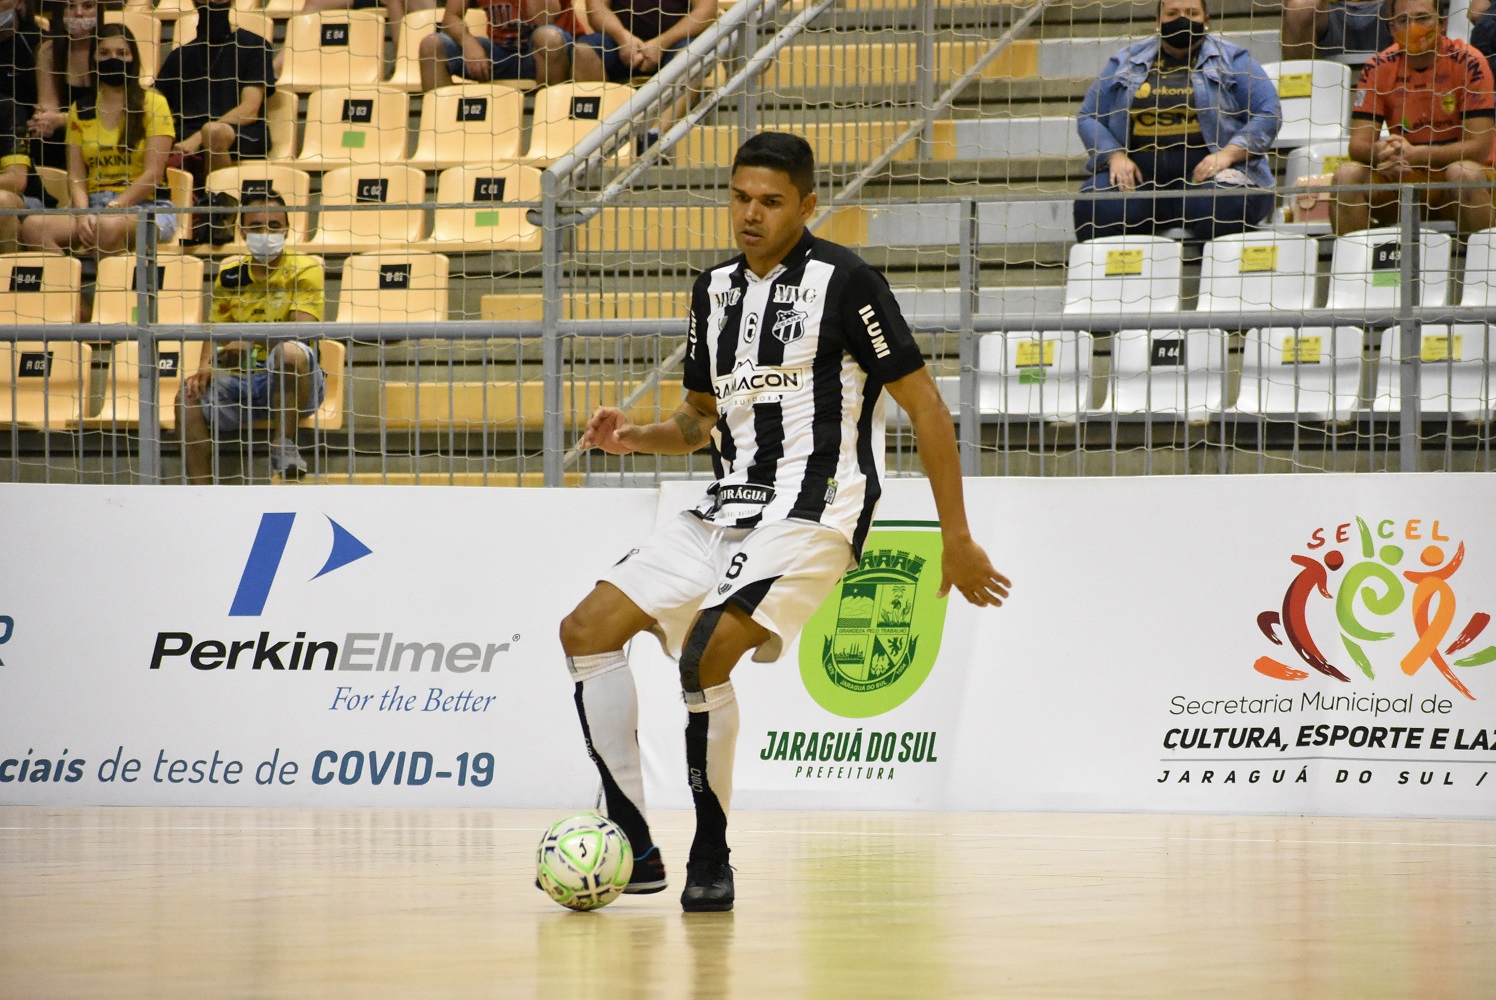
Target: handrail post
(553, 237)
(749, 99)
(145, 320)
(1411, 337)
(925, 63)
(970, 442)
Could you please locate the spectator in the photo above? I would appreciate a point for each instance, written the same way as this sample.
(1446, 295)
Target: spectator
(15, 173)
(527, 40)
(1324, 29)
(1183, 112)
(64, 77)
(20, 40)
(1434, 95)
(638, 37)
(394, 10)
(238, 382)
(118, 140)
(1483, 27)
(216, 85)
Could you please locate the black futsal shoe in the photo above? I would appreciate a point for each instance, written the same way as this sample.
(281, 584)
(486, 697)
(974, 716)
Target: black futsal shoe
(708, 885)
(649, 874)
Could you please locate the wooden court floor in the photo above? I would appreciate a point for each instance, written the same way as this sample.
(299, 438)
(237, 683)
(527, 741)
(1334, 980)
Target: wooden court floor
(417, 905)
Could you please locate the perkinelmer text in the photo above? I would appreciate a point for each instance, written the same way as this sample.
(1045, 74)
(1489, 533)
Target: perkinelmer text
(372, 651)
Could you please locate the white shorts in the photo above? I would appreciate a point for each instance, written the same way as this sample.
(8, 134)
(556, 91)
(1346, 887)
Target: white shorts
(779, 572)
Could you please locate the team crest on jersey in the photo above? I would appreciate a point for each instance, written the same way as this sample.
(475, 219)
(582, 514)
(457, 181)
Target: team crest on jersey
(789, 326)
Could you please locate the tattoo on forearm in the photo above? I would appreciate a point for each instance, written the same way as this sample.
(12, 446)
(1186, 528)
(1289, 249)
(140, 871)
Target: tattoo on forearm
(690, 427)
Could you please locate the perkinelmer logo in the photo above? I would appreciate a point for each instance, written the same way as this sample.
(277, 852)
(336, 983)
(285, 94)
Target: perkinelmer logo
(379, 651)
(265, 557)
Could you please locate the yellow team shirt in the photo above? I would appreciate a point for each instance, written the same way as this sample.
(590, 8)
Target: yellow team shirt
(240, 295)
(109, 166)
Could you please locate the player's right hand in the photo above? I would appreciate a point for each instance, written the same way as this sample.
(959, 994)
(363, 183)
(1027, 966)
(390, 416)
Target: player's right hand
(610, 430)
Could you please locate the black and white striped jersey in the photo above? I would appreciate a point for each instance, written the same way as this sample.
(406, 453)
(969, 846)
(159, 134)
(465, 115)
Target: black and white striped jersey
(797, 362)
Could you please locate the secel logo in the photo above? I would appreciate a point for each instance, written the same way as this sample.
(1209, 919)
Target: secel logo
(873, 643)
(1390, 605)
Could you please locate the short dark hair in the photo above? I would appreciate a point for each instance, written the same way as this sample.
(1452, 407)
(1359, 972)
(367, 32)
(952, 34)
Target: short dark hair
(268, 199)
(1441, 8)
(782, 151)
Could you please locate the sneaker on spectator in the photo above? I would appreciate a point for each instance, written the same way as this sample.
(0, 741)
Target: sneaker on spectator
(286, 460)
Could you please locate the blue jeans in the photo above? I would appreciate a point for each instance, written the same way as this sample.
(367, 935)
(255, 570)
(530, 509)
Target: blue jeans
(509, 62)
(614, 68)
(1207, 210)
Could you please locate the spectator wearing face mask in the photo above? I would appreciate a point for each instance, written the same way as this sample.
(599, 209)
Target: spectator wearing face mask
(118, 142)
(1181, 122)
(1434, 97)
(217, 85)
(238, 382)
(64, 77)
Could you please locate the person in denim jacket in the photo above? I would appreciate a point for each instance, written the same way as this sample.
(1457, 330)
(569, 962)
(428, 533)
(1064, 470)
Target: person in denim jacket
(1184, 119)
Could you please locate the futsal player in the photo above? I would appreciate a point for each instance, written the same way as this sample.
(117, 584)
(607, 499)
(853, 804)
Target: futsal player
(790, 346)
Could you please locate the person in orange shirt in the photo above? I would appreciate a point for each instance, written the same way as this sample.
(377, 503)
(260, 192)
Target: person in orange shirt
(1434, 96)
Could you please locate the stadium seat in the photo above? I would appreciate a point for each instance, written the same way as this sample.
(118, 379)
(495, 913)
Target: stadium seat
(294, 186)
(1042, 375)
(54, 182)
(511, 307)
(393, 288)
(43, 385)
(147, 32)
(175, 360)
(1177, 373)
(651, 229)
(40, 288)
(332, 355)
(243, 17)
(1454, 372)
(346, 126)
(1285, 371)
(1123, 274)
(1478, 286)
(567, 112)
(335, 48)
(502, 227)
(1306, 171)
(179, 290)
(1315, 95)
(478, 123)
(281, 116)
(179, 10)
(359, 231)
(509, 405)
(1364, 269)
(414, 26)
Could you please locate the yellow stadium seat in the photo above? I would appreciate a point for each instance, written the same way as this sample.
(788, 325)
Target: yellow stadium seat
(40, 288)
(281, 114)
(354, 125)
(394, 288)
(414, 26)
(334, 48)
(42, 384)
(179, 183)
(502, 227)
(332, 355)
(294, 187)
(147, 32)
(179, 290)
(507, 405)
(282, 9)
(359, 231)
(241, 17)
(180, 10)
(175, 360)
(469, 123)
(567, 112)
(499, 307)
(55, 182)
(651, 229)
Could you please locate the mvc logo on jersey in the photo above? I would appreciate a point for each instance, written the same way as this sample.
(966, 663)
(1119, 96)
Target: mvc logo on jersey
(1387, 607)
(873, 643)
(263, 564)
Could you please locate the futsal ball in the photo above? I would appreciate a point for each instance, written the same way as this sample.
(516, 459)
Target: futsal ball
(584, 862)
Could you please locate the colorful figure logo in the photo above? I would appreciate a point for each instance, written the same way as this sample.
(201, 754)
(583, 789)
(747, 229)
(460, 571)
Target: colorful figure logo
(872, 643)
(1374, 587)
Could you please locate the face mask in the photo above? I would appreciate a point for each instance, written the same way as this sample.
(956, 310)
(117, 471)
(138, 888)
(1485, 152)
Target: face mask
(214, 19)
(112, 71)
(80, 27)
(1417, 39)
(265, 247)
(1181, 32)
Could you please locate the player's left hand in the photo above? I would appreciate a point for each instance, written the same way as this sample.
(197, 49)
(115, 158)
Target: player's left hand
(965, 567)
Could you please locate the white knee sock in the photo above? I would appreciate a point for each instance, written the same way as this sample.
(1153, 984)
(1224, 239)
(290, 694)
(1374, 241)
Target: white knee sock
(608, 708)
(711, 744)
